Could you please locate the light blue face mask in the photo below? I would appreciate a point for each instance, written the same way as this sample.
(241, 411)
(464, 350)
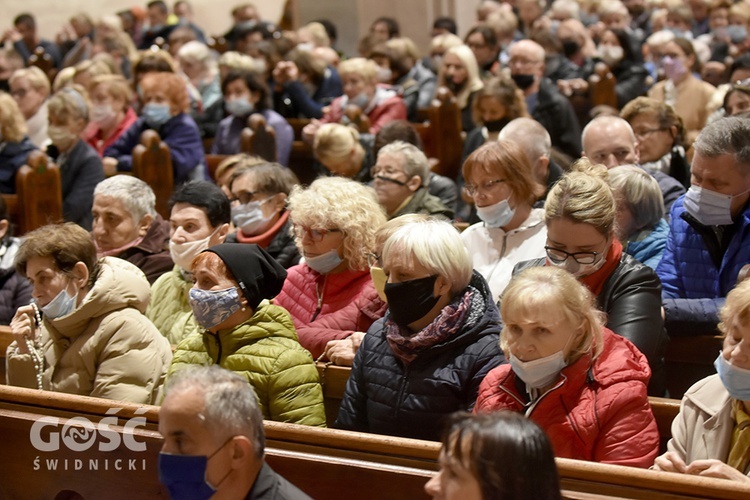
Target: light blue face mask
(213, 307)
(156, 115)
(360, 100)
(239, 107)
(249, 217)
(496, 215)
(325, 263)
(62, 305)
(735, 380)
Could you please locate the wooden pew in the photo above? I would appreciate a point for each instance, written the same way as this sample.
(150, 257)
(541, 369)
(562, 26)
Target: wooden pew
(441, 134)
(601, 92)
(301, 156)
(152, 163)
(38, 198)
(258, 138)
(325, 463)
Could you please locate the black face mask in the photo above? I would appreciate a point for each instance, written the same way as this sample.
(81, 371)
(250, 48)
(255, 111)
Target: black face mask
(4, 86)
(410, 301)
(570, 47)
(454, 87)
(496, 125)
(523, 81)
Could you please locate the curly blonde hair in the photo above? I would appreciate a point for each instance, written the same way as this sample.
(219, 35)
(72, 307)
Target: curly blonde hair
(337, 202)
(548, 290)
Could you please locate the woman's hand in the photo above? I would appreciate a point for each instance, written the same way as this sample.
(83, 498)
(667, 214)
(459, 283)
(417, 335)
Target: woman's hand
(23, 328)
(109, 165)
(670, 462)
(341, 352)
(716, 468)
(309, 131)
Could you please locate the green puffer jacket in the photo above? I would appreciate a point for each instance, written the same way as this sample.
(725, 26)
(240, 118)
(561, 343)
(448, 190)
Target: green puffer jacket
(169, 309)
(265, 349)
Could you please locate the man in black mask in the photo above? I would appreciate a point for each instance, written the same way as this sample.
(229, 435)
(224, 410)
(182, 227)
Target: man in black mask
(544, 102)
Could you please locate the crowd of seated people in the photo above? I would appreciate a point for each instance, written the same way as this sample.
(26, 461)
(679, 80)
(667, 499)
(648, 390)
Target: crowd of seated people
(543, 277)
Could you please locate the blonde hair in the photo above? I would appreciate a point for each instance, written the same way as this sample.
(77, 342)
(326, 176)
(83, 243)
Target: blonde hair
(317, 33)
(445, 41)
(366, 68)
(436, 245)
(736, 309)
(640, 192)
(70, 103)
(334, 141)
(473, 81)
(337, 202)
(36, 77)
(503, 90)
(63, 78)
(549, 290)
(584, 197)
(116, 86)
(12, 122)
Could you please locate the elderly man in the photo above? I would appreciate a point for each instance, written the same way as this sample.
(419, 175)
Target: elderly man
(610, 140)
(30, 88)
(543, 101)
(214, 440)
(126, 225)
(400, 181)
(199, 218)
(709, 237)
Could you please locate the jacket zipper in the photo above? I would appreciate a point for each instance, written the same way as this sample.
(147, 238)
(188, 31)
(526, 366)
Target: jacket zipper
(529, 407)
(218, 342)
(320, 293)
(401, 390)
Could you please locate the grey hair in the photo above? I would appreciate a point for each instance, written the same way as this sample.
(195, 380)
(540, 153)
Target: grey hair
(415, 161)
(136, 196)
(727, 136)
(530, 135)
(230, 405)
(641, 193)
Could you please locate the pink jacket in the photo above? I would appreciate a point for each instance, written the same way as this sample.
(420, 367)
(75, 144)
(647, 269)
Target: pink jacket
(598, 412)
(388, 107)
(348, 304)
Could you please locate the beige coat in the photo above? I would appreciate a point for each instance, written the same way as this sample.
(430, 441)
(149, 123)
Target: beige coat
(691, 101)
(106, 347)
(703, 429)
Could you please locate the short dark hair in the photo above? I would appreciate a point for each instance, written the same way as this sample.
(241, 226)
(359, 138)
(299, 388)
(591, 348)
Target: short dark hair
(742, 62)
(208, 197)
(26, 19)
(159, 4)
(392, 24)
(488, 34)
(446, 23)
(396, 130)
(253, 83)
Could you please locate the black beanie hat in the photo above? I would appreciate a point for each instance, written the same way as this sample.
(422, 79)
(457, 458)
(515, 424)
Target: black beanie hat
(258, 274)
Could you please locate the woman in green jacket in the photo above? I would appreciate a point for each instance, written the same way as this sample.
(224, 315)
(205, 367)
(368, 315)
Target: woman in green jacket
(242, 332)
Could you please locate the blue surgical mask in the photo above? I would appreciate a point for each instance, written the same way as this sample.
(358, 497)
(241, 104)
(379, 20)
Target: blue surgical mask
(735, 380)
(156, 115)
(540, 372)
(249, 217)
(62, 305)
(185, 475)
(213, 307)
(496, 215)
(239, 107)
(709, 207)
(326, 262)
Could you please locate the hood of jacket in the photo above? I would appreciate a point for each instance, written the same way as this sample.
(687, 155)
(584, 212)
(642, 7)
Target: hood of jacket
(120, 284)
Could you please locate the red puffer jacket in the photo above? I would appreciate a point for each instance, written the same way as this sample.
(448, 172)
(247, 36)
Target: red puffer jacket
(348, 304)
(598, 412)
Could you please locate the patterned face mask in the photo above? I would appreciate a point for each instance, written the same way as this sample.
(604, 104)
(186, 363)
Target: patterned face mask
(213, 307)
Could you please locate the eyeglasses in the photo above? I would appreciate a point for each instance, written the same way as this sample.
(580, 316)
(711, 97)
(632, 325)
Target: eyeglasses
(314, 234)
(648, 131)
(474, 189)
(373, 260)
(558, 256)
(517, 61)
(19, 93)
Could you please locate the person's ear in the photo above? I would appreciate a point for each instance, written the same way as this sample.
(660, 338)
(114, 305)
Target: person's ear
(673, 131)
(80, 275)
(223, 232)
(4, 225)
(637, 153)
(144, 224)
(414, 183)
(442, 286)
(541, 170)
(278, 202)
(242, 452)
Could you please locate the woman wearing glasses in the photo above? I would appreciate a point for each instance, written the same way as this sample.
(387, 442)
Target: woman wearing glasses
(580, 214)
(499, 179)
(331, 296)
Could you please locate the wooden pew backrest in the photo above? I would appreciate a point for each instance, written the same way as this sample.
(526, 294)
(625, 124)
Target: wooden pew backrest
(258, 138)
(38, 198)
(152, 163)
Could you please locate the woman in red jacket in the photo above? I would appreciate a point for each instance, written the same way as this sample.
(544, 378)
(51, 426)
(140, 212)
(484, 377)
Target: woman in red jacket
(584, 385)
(331, 296)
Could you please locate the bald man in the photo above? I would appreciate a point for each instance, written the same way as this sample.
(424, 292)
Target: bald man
(610, 140)
(543, 101)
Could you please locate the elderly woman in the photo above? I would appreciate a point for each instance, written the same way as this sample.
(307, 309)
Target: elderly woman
(339, 150)
(245, 94)
(198, 64)
(500, 180)
(460, 74)
(16, 145)
(305, 85)
(580, 215)
(709, 434)
(660, 134)
(427, 357)
(331, 296)
(362, 98)
(165, 110)
(583, 385)
(30, 88)
(93, 339)
(241, 331)
(111, 114)
(640, 225)
(126, 225)
(259, 213)
(493, 456)
(80, 166)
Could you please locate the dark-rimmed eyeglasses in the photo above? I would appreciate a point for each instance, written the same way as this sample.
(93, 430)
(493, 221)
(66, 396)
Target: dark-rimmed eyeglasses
(474, 189)
(314, 234)
(559, 256)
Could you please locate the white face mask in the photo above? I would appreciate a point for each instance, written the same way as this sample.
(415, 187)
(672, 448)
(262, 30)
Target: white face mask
(184, 253)
(580, 270)
(249, 217)
(709, 207)
(610, 54)
(61, 136)
(102, 114)
(496, 215)
(540, 372)
(324, 263)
